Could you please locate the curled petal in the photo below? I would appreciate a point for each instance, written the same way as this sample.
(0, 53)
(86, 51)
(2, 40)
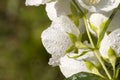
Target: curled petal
(112, 40)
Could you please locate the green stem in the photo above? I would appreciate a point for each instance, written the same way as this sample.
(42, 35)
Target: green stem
(86, 23)
(77, 7)
(91, 41)
(117, 72)
(102, 63)
(89, 36)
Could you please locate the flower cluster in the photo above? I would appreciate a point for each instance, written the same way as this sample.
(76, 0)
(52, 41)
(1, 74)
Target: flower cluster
(83, 35)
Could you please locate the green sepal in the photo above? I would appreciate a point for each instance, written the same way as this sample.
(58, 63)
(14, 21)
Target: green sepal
(69, 49)
(92, 67)
(85, 76)
(94, 28)
(99, 29)
(80, 45)
(82, 54)
(76, 50)
(112, 57)
(72, 37)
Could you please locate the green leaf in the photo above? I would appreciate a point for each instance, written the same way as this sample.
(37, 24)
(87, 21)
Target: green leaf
(84, 76)
(72, 37)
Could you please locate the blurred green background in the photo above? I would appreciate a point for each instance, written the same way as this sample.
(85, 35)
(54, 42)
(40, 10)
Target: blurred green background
(22, 55)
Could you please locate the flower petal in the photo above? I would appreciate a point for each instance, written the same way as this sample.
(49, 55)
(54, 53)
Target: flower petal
(35, 2)
(98, 18)
(111, 40)
(102, 5)
(69, 66)
(55, 38)
(58, 8)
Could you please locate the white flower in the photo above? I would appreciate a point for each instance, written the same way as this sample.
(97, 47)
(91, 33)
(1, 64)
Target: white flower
(36, 2)
(112, 40)
(58, 8)
(70, 66)
(98, 18)
(55, 38)
(99, 5)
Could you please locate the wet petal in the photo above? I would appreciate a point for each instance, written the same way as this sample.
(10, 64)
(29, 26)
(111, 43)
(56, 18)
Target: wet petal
(58, 8)
(70, 66)
(55, 38)
(111, 40)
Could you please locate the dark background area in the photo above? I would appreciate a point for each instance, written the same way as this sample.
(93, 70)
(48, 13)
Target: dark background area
(22, 55)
